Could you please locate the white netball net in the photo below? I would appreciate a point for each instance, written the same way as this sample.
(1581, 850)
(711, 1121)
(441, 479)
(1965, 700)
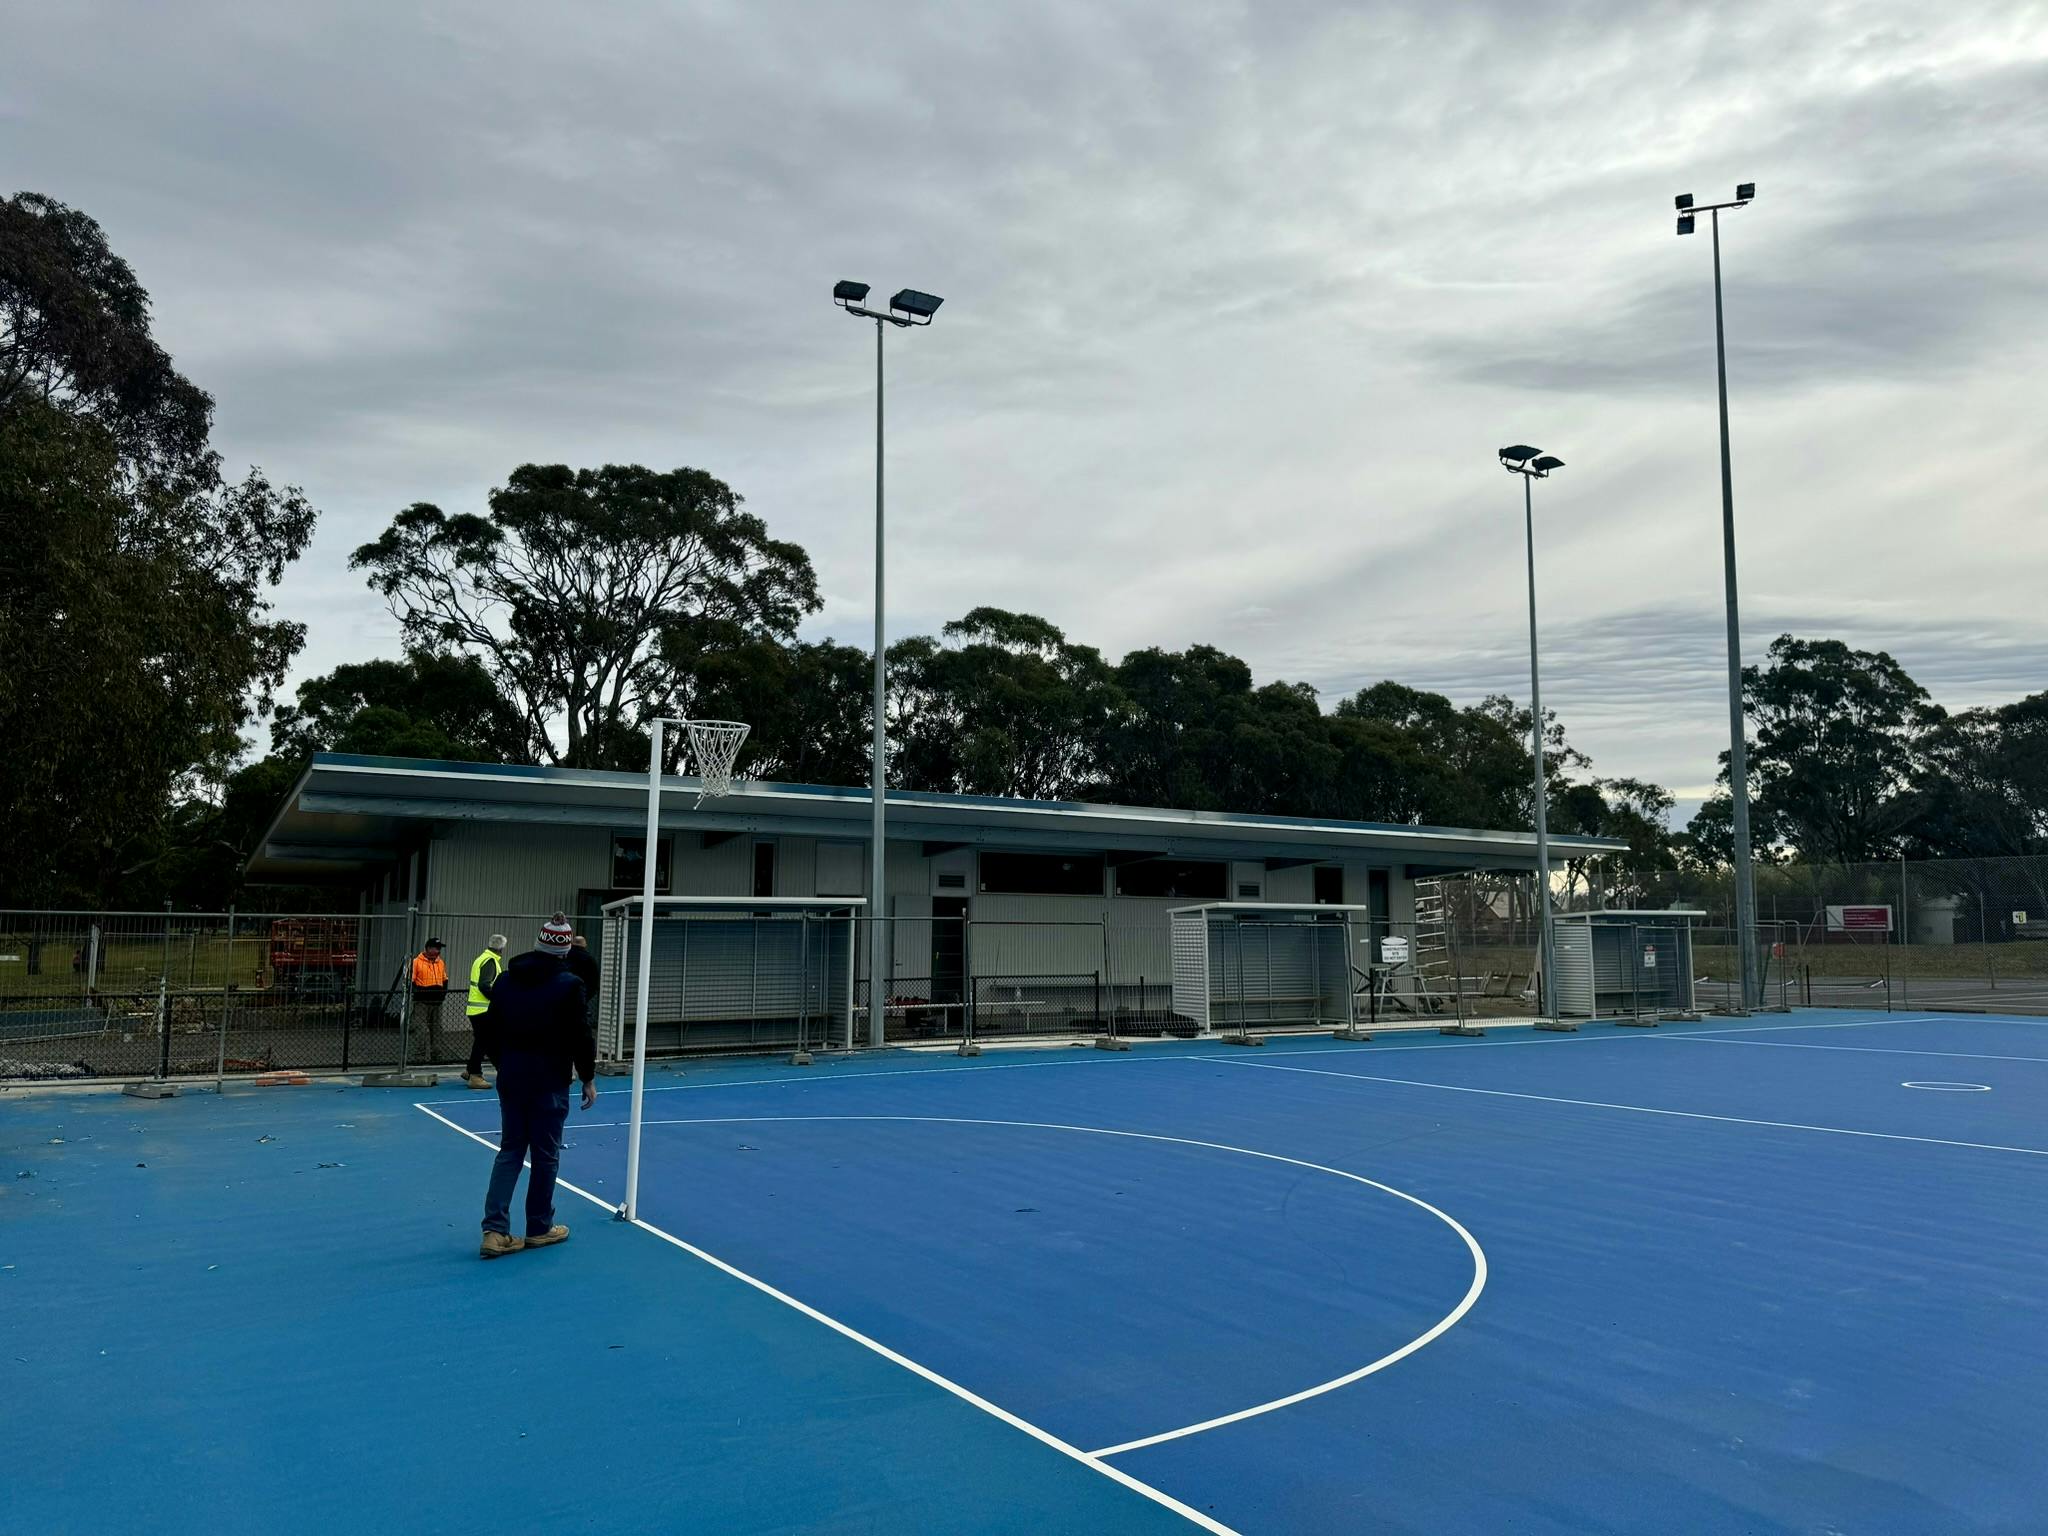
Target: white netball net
(714, 747)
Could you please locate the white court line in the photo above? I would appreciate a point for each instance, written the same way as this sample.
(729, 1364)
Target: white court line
(1643, 1109)
(1861, 1050)
(1087, 1459)
(1444, 1325)
(1090, 1058)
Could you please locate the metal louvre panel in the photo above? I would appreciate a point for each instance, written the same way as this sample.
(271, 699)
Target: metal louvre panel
(1191, 967)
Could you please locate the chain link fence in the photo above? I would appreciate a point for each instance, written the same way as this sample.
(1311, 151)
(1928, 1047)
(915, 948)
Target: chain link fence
(136, 995)
(184, 995)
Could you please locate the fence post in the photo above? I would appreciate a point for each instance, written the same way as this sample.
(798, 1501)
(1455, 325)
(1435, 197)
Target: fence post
(163, 1004)
(968, 1006)
(227, 1007)
(801, 1056)
(1905, 928)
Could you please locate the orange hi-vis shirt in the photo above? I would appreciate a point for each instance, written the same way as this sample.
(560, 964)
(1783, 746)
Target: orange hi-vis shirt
(429, 971)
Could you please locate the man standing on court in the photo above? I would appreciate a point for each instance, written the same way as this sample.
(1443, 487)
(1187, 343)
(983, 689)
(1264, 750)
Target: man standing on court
(538, 1031)
(484, 971)
(429, 992)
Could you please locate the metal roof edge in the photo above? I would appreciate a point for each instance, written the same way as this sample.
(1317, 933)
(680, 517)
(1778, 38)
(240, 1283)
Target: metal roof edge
(1238, 821)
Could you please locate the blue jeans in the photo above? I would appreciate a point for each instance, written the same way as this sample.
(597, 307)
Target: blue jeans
(533, 1102)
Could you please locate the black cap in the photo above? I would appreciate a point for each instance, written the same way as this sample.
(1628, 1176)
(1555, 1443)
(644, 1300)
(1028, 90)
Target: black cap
(435, 944)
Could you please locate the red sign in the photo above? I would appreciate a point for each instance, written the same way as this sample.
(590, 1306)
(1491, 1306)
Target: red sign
(1866, 919)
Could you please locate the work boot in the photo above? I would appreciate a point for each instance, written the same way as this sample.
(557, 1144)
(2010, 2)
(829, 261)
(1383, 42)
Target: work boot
(555, 1234)
(497, 1244)
(476, 1080)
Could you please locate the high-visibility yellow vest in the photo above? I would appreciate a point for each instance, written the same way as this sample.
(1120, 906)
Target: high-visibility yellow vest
(480, 984)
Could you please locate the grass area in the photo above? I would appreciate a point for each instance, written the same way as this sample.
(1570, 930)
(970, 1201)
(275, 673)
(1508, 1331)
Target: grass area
(54, 965)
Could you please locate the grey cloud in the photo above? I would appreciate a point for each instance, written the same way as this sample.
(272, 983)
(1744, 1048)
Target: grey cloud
(1239, 300)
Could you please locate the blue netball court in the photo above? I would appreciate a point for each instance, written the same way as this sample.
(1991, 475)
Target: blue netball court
(1779, 1274)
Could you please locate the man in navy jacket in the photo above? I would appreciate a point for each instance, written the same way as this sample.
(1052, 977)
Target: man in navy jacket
(537, 1030)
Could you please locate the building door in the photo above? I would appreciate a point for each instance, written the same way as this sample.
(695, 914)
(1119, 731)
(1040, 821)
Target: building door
(949, 949)
(1329, 886)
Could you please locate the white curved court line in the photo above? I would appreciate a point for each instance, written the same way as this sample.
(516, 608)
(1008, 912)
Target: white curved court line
(1644, 1109)
(1444, 1325)
(1087, 1459)
(1938, 1087)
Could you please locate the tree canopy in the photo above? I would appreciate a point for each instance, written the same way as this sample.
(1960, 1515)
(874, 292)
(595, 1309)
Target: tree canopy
(134, 605)
(580, 589)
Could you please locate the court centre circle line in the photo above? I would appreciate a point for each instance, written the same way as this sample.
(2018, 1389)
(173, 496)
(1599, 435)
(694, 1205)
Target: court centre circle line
(1449, 1320)
(1938, 1087)
(1639, 1109)
(1087, 1459)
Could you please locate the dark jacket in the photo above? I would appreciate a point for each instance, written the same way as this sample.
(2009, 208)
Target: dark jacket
(584, 964)
(538, 1010)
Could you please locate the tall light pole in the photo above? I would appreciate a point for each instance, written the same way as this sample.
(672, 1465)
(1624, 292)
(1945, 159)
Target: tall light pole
(907, 308)
(1533, 465)
(1738, 745)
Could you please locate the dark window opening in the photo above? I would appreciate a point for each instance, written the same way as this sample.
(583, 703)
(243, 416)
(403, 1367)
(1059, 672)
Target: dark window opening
(1329, 886)
(419, 888)
(764, 869)
(1187, 879)
(629, 866)
(1042, 874)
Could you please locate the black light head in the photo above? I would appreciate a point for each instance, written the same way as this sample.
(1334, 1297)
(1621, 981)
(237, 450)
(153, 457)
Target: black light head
(1745, 192)
(1546, 464)
(919, 306)
(1518, 455)
(846, 292)
(1685, 223)
(1684, 201)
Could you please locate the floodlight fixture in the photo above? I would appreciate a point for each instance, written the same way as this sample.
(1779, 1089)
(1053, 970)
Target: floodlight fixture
(1547, 463)
(849, 292)
(1685, 223)
(919, 306)
(1745, 192)
(1684, 201)
(1518, 454)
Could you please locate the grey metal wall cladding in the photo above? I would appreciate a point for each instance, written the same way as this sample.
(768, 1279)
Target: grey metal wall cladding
(1605, 966)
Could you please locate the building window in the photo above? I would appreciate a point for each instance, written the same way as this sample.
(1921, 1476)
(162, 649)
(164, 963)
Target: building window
(1329, 885)
(419, 883)
(1042, 874)
(764, 869)
(629, 872)
(1187, 879)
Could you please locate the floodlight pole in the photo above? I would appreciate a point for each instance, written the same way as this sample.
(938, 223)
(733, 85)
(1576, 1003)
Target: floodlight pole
(649, 851)
(1738, 744)
(1532, 467)
(1547, 1002)
(908, 308)
(878, 762)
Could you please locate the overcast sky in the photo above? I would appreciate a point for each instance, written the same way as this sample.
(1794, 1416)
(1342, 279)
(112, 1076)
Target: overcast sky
(1240, 300)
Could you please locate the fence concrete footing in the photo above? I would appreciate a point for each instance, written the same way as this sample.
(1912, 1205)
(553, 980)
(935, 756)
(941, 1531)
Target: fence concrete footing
(615, 1069)
(1349, 1034)
(1469, 1031)
(399, 1079)
(969, 1048)
(1111, 1043)
(799, 1058)
(151, 1090)
(1560, 1026)
(1635, 1023)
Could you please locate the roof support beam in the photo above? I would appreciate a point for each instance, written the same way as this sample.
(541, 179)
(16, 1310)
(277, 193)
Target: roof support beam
(718, 839)
(933, 850)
